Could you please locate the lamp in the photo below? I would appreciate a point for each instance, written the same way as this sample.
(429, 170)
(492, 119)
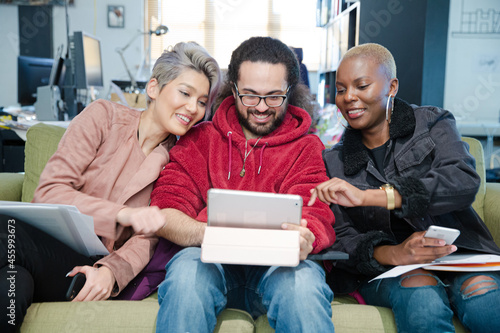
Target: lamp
(160, 30)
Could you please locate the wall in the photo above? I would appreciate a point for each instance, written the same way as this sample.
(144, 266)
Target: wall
(388, 23)
(9, 41)
(415, 32)
(84, 15)
(472, 85)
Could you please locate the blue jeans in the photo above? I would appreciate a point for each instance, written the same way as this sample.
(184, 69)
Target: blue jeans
(430, 308)
(296, 299)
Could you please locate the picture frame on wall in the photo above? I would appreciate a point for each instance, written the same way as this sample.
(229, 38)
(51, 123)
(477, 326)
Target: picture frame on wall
(36, 2)
(116, 16)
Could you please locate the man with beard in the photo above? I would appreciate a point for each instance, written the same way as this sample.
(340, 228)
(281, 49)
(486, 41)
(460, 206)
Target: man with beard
(257, 141)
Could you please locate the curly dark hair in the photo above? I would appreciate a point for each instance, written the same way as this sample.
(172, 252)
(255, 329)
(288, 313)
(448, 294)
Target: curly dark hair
(273, 51)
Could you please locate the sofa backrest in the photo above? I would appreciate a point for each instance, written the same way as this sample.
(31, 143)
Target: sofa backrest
(41, 143)
(476, 149)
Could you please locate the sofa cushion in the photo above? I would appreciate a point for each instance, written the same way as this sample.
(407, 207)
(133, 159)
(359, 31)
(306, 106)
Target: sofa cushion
(115, 316)
(349, 318)
(234, 321)
(11, 186)
(356, 318)
(41, 143)
(103, 316)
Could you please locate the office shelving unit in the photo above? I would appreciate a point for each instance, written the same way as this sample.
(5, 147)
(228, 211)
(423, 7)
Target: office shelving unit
(340, 31)
(415, 32)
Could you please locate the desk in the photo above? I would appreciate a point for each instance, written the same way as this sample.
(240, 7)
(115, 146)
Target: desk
(136, 101)
(490, 130)
(12, 145)
(11, 152)
(22, 132)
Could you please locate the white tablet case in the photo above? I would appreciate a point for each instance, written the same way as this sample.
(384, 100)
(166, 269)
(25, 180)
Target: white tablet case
(244, 246)
(245, 228)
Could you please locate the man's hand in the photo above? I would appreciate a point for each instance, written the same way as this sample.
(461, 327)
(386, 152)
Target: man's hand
(99, 284)
(337, 191)
(416, 249)
(144, 220)
(307, 238)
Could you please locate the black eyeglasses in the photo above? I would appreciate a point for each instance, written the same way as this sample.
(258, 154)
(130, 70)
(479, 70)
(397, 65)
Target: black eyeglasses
(273, 101)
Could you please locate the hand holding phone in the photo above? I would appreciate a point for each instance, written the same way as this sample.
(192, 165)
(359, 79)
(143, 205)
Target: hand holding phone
(76, 285)
(447, 234)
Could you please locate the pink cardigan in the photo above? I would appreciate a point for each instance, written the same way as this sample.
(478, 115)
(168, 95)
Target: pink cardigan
(100, 168)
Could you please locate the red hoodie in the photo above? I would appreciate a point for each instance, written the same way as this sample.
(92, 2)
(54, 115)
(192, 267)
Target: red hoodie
(211, 156)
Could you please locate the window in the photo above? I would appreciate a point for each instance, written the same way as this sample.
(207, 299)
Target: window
(221, 25)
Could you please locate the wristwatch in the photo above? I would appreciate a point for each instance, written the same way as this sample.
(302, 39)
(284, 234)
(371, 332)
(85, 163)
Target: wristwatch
(389, 191)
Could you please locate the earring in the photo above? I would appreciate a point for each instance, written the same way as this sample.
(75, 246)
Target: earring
(342, 124)
(341, 120)
(387, 109)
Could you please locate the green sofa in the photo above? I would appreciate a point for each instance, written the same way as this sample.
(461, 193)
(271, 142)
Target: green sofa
(140, 316)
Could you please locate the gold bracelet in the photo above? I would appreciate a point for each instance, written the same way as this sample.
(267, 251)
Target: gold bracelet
(389, 191)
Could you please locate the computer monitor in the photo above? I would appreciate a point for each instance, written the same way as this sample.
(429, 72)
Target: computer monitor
(32, 72)
(58, 72)
(87, 62)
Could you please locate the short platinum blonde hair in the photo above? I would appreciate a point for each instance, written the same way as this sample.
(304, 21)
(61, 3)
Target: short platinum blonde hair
(187, 55)
(378, 53)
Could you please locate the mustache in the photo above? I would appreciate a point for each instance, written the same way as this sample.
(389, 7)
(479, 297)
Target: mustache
(265, 113)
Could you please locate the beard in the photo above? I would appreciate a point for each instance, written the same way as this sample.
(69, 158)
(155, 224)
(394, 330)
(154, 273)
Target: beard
(261, 129)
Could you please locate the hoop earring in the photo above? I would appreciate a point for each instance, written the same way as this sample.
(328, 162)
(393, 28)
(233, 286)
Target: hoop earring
(387, 108)
(340, 117)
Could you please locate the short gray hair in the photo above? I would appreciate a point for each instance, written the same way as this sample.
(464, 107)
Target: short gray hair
(187, 55)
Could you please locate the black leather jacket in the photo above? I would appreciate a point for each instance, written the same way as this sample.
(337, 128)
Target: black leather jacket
(430, 166)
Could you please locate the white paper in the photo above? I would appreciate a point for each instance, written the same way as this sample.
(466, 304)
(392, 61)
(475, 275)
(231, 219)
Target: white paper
(397, 271)
(467, 259)
(447, 260)
(62, 222)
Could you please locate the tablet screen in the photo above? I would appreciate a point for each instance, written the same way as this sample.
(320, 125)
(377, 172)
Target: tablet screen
(247, 209)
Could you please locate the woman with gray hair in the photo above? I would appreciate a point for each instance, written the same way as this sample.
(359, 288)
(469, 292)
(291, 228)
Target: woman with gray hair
(105, 165)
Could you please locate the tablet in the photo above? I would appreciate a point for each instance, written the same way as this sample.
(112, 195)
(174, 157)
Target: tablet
(247, 209)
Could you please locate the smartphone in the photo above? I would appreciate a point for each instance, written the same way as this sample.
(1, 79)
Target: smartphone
(447, 234)
(75, 286)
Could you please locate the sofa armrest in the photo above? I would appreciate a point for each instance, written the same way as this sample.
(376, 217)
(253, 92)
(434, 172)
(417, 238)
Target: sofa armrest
(492, 210)
(11, 186)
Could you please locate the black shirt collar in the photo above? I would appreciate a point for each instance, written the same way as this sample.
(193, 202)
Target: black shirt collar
(355, 155)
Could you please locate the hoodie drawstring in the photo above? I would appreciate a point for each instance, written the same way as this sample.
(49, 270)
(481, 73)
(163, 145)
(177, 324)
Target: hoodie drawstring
(261, 155)
(230, 147)
(230, 156)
